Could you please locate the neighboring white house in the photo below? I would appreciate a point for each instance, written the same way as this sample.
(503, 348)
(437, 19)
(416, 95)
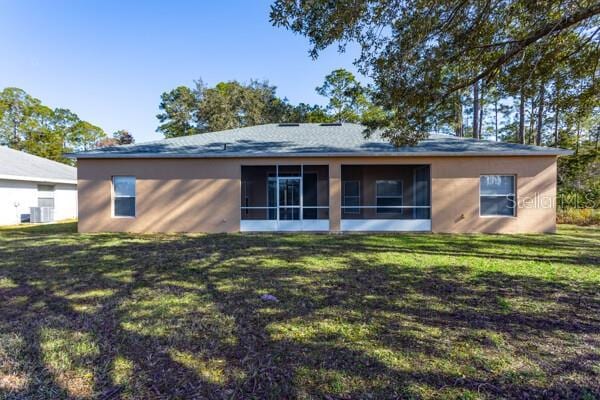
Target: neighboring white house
(29, 181)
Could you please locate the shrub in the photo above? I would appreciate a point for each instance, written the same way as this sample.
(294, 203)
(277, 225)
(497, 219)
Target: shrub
(578, 216)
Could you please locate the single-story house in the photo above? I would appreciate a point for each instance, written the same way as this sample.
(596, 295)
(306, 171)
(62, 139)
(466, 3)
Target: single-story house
(28, 181)
(316, 177)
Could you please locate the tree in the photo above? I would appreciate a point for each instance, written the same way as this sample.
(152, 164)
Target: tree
(84, 136)
(26, 124)
(16, 108)
(346, 95)
(229, 105)
(482, 98)
(232, 105)
(106, 142)
(540, 115)
(303, 113)
(64, 123)
(40, 134)
(372, 115)
(420, 53)
(521, 135)
(178, 116)
(476, 114)
(123, 137)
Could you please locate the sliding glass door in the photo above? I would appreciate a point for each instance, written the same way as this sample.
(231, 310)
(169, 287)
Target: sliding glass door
(289, 198)
(285, 197)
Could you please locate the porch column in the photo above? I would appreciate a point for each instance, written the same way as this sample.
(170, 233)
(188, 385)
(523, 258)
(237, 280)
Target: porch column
(335, 196)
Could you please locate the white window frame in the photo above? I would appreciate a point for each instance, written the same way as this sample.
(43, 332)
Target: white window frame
(344, 196)
(46, 194)
(513, 194)
(114, 196)
(377, 196)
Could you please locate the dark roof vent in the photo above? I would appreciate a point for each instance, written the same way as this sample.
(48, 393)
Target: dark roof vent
(289, 124)
(331, 124)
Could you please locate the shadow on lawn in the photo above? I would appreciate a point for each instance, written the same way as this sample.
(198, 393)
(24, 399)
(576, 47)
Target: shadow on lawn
(168, 316)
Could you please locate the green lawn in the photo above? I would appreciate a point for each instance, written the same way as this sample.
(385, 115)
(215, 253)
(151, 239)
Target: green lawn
(359, 316)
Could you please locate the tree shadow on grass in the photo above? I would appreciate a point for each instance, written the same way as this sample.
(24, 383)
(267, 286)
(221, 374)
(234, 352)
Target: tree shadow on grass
(180, 316)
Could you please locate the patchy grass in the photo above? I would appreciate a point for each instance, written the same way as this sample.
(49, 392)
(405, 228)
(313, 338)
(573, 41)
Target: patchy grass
(357, 316)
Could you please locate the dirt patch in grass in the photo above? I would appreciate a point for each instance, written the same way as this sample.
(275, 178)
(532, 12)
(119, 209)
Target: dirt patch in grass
(356, 316)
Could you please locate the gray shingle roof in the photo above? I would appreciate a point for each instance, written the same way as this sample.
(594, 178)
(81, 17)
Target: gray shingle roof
(308, 140)
(17, 165)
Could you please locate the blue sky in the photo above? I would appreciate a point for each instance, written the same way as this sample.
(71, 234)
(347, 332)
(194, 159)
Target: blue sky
(109, 61)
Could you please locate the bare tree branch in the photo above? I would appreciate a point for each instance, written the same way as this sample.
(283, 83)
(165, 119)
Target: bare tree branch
(521, 45)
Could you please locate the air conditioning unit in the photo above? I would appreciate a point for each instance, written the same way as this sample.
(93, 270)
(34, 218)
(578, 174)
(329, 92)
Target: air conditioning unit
(41, 214)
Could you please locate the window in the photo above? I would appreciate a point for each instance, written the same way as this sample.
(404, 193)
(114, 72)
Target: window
(124, 196)
(389, 196)
(46, 196)
(497, 195)
(351, 197)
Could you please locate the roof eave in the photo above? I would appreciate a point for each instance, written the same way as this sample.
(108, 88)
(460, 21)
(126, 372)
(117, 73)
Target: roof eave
(330, 154)
(38, 179)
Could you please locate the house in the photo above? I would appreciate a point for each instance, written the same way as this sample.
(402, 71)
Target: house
(28, 181)
(316, 177)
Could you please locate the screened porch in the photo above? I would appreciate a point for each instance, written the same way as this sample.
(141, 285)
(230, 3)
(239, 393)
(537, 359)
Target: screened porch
(386, 198)
(285, 198)
(368, 197)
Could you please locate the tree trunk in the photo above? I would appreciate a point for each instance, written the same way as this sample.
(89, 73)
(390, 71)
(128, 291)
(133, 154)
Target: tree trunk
(496, 118)
(578, 136)
(540, 117)
(458, 129)
(476, 110)
(556, 124)
(530, 136)
(15, 134)
(521, 134)
(480, 113)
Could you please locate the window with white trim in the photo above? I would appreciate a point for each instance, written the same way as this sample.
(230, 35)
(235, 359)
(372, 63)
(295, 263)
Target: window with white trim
(45, 196)
(351, 197)
(124, 196)
(389, 196)
(497, 195)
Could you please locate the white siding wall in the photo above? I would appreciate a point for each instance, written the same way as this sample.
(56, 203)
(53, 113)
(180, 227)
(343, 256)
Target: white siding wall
(25, 194)
(65, 201)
